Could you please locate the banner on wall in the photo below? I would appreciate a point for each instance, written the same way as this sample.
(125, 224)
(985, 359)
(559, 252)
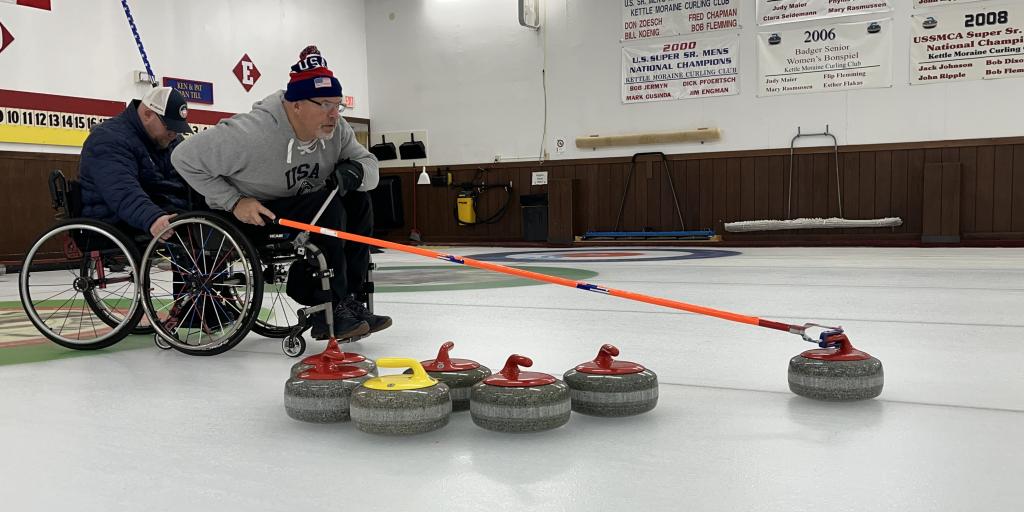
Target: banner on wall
(646, 19)
(973, 42)
(34, 118)
(827, 57)
(770, 12)
(193, 91)
(38, 4)
(680, 68)
(934, 3)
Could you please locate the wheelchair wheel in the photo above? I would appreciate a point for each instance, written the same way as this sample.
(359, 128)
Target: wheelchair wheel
(202, 287)
(90, 298)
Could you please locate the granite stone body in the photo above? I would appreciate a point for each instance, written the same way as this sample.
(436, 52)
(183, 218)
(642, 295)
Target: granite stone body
(520, 409)
(319, 401)
(612, 395)
(835, 380)
(402, 412)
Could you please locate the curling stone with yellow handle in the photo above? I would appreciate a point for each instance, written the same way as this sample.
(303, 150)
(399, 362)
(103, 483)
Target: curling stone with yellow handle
(401, 404)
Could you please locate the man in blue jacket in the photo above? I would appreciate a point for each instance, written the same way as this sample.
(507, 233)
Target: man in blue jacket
(125, 173)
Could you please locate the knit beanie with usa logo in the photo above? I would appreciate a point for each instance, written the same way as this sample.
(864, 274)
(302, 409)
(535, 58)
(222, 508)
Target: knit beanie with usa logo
(310, 78)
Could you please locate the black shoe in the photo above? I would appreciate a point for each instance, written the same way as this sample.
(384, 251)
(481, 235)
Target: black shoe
(376, 322)
(346, 325)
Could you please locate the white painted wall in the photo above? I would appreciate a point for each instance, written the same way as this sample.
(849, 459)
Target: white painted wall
(85, 48)
(466, 72)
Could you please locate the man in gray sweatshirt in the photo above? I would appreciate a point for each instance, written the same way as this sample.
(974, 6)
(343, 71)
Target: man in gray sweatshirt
(275, 161)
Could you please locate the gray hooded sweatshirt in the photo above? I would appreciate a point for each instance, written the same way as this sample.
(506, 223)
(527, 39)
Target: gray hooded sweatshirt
(257, 154)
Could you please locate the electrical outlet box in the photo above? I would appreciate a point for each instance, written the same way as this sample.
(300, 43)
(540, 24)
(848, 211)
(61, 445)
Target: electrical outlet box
(143, 77)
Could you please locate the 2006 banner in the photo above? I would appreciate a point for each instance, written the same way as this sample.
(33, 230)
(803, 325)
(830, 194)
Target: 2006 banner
(680, 68)
(973, 42)
(825, 58)
(770, 12)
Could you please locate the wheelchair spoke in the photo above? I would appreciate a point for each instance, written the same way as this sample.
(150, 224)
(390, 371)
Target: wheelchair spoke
(172, 262)
(91, 322)
(188, 314)
(228, 285)
(220, 324)
(65, 290)
(189, 254)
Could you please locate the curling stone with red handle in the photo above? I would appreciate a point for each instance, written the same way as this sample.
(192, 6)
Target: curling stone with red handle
(517, 401)
(333, 354)
(835, 372)
(459, 374)
(606, 387)
(322, 393)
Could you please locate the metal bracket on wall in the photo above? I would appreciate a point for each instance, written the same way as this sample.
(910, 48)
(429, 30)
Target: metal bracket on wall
(835, 152)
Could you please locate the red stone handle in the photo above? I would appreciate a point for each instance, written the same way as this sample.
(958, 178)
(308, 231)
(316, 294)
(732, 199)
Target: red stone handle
(605, 355)
(511, 369)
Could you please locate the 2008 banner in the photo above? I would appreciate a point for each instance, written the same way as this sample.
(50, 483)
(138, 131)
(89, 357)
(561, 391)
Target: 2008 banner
(973, 42)
(770, 12)
(827, 57)
(680, 68)
(646, 19)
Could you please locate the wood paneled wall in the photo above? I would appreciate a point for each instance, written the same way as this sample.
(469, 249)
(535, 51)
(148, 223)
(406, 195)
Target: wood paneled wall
(25, 211)
(943, 191)
(967, 190)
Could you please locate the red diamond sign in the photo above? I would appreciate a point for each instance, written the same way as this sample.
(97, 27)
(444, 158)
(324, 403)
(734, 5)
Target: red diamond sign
(5, 37)
(246, 72)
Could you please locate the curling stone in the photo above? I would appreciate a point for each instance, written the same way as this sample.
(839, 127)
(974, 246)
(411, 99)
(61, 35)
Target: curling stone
(516, 401)
(459, 374)
(333, 354)
(322, 393)
(401, 404)
(605, 387)
(835, 372)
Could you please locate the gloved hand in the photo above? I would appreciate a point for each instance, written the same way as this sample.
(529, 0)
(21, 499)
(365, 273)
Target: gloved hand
(349, 174)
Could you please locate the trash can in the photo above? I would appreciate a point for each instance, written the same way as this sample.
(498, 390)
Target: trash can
(535, 217)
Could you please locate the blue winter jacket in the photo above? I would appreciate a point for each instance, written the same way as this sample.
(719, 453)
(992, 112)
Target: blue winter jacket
(125, 178)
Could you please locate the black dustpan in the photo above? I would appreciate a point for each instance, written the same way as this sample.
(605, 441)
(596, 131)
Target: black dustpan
(413, 150)
(384, 150)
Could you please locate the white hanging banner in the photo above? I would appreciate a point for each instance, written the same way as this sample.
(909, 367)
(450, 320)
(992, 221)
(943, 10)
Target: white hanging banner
(646, 19)
(973, 42)
(770, 12)
(680, 68)
(827, 57)
(933, 3)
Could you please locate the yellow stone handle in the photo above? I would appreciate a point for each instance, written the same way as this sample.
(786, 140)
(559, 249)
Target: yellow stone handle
(417, 380)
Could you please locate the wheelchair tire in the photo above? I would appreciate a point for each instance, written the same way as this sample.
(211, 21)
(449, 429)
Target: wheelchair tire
(207, 262)
(96, 256)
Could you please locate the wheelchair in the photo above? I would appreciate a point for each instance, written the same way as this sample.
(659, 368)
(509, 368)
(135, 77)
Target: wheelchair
(86, 284)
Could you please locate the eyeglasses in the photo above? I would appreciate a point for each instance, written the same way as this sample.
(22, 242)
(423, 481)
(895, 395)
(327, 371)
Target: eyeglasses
(327, 106)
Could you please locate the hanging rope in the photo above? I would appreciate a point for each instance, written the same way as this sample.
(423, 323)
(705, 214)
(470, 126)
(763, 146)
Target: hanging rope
(138, 42)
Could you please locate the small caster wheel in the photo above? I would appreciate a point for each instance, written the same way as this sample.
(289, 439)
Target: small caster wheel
(160, 343)
(293, 346)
